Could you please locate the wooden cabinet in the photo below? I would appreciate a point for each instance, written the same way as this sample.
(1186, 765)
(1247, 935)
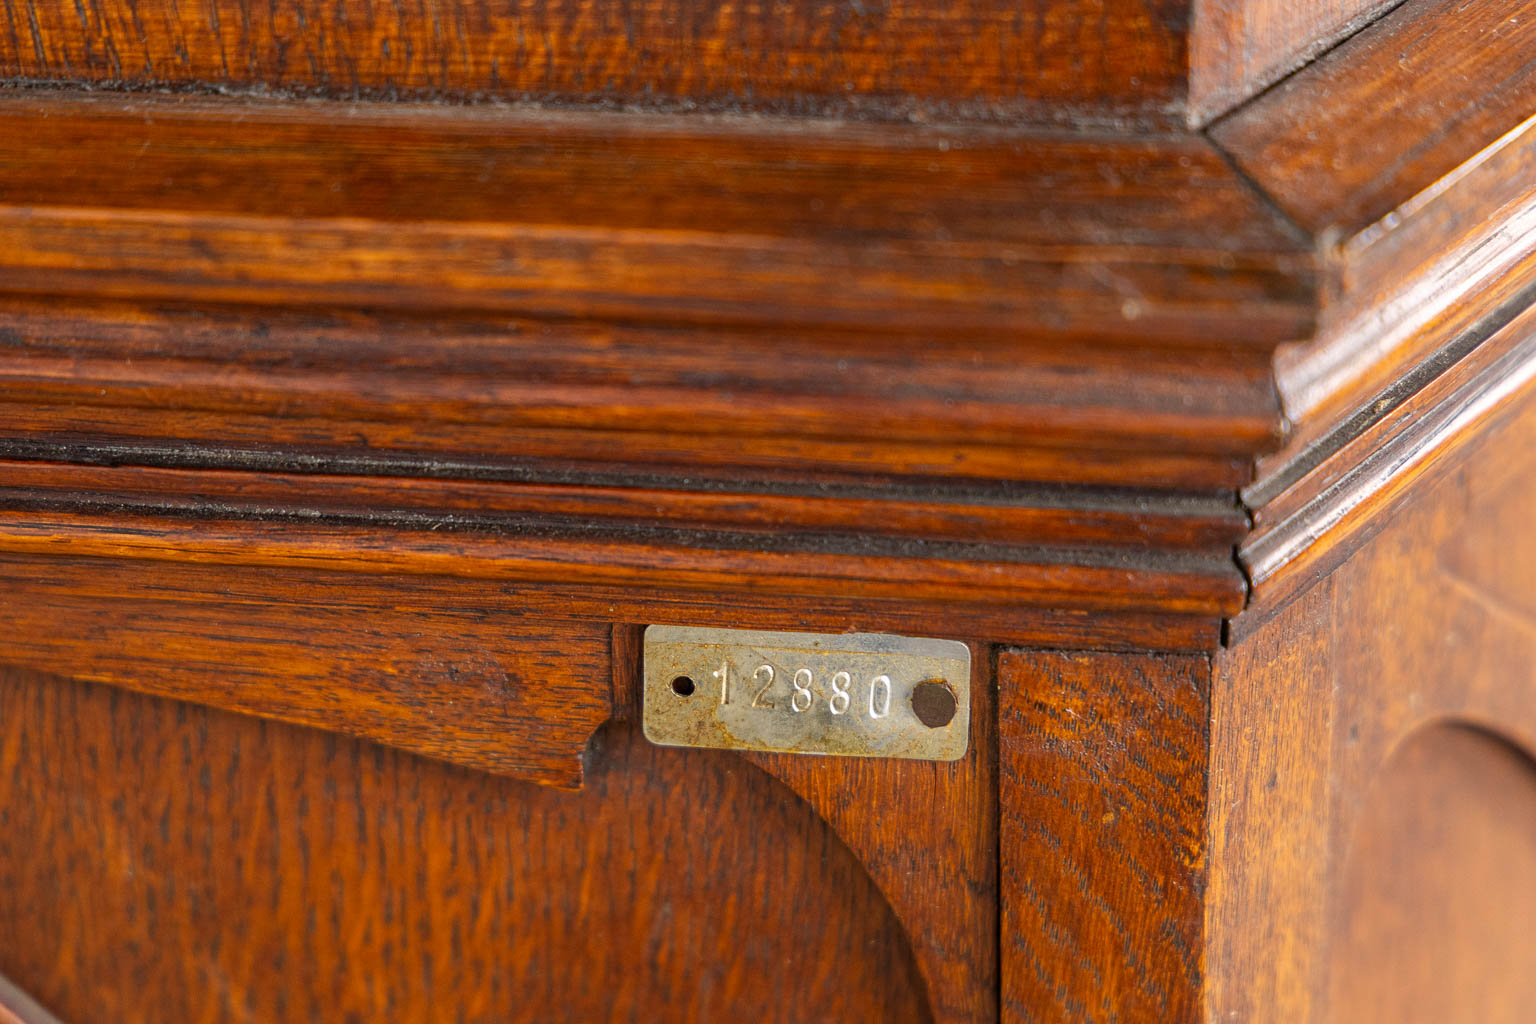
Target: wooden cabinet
(371, 379)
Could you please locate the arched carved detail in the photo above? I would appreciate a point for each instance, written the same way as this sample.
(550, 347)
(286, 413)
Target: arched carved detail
(925, 832)
(1436, 886)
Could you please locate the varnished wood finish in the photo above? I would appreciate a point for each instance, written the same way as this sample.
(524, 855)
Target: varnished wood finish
(876, 806)
(944, 890)
(354, 422)
(1429, 622)
(521, 398)
(1103, 790)
(904, 229)
(1409, 109)
(1421, 934)
(1237, 47)
(1103, 59)
(192, 865)
(463, 677)
(1409, 153)
(1314, 524)
(719, 562)
(1148, 62)
(974, 513)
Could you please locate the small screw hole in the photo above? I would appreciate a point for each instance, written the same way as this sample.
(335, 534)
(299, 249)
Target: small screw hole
(934, 703)
(683, 686)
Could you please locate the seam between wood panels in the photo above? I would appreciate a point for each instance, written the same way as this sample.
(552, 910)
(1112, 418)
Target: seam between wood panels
(1350, 29)
(1268, 201)
(1082, 118)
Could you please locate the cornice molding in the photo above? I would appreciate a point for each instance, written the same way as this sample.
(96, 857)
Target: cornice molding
(1016, 373)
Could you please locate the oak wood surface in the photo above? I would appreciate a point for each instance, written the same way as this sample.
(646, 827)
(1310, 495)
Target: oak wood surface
(901, 228)
(1325, 513)
(943, 889)
(555, 281)
(1408, 152)
(471, 680)
(70, 582)
(1027, 404)
(1103, 795)
(1458, 201)
(515, 395)
(1049, 61)
(1085, 218)
(873, 507)
(1238, 47)
(165, 861)
(1337, 721)
(1436, 890)
(338, 392)
(532, 549)
(1104, 60)
(1420, 91)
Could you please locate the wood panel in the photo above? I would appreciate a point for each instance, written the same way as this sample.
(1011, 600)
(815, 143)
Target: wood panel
(63, 581)
(1415, 112)
(472, 680)
(1271, 792)
(1101, 62)
(1103, 796)
(1438, 887)
(1097, 59)
(1423, 621)
(1408, 152)
(877, 806)
(904, 229)
(168, 862)
(1237, 47)
(398, 419)
(513, 396)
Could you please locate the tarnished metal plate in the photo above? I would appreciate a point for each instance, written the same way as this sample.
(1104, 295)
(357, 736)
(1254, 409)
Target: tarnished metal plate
(854, 694)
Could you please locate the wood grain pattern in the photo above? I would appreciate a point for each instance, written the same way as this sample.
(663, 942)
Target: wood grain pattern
(1097, 60)
(1428, 623)
(1238, 47)
(1270, 792)
(943, 890)
(495, 545)
(719, 563)
(1123, 214)
(1146, 62)
(1408, 152)
(890, 508)
(1422, 934)
(389, 423)
(1420, 91)
(169, 862)
(1103, 796)
(1307, 529)
(899, 228)
(471, 680)
(512, 395)
(53, 578)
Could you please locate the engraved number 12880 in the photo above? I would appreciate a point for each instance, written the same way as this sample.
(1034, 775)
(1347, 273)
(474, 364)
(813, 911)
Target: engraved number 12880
(803, 693)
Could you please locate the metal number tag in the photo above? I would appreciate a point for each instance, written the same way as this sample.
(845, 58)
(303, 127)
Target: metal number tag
(854, 694)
